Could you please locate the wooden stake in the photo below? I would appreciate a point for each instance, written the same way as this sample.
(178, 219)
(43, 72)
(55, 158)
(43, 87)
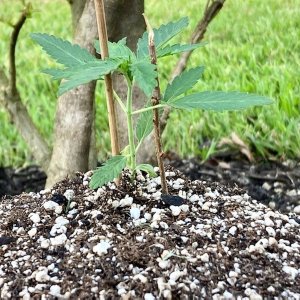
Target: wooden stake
(112, 119)
(155, 101)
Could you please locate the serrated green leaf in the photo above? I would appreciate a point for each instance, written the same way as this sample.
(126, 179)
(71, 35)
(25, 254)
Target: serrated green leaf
(121, 42)
(117, 50)
(144, 74)
(108, 172)
(147, 168)
(57, 74)
(161, 36)
(144, 125)
(63, 51)
(182, 83)
(219, 101)
(177, 48)
(100, 65)
(85, 73)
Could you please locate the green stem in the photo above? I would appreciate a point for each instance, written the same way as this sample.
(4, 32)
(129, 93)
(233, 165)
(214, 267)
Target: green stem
(120, 102)
(148, 108)
(132, 161)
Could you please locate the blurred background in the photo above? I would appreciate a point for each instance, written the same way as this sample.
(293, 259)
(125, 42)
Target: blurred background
(253, 46)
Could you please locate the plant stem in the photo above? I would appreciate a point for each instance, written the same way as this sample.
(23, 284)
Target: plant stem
(155, 102)
(132, 162)
(148, 108)
(120, 102)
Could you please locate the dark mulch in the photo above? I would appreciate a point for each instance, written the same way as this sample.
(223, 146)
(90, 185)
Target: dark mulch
(15, 181)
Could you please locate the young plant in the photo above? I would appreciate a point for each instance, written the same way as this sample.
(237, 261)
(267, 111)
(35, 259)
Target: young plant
(81, 67)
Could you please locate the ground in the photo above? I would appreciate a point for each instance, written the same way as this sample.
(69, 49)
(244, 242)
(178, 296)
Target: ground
(208, 241)
(273, 183)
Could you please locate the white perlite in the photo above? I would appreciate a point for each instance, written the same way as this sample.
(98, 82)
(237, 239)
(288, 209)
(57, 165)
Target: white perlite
(175, 210)
(204, 257)
(61, 221)
(174, 276)
(149, 296)
(127, 201)
(232, 230)
(58, 240)
(163, 264)
(55, 291)
(35, 218)
(32, 232)
(292, 272)
(53, 206)
(42, 275)
(69, 194)
(102, 247)
(135, 213)
(297, 209)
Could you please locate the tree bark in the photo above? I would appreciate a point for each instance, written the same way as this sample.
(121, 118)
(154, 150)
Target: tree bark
(75, 111)
(77, 7)
(21, 119)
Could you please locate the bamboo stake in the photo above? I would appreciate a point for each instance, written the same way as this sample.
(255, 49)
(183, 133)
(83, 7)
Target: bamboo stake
(155, 101)
(112, 119)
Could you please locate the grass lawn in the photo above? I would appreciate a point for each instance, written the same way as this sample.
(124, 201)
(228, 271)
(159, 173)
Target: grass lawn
(253, 46)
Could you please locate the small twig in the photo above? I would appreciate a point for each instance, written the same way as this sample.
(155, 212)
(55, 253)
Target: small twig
(155, 101)
(100, 14)
(211, 10)
(12, 52)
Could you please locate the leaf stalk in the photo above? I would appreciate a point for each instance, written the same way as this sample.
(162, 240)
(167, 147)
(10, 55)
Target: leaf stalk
(148, 108)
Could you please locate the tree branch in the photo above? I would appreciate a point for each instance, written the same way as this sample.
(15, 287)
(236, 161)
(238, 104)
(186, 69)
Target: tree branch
(10, 99)
(211, 10)
(12, 50)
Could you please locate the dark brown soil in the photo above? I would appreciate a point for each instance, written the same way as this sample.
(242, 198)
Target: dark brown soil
(126, 242)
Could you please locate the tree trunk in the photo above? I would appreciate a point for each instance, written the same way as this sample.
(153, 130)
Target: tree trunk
(77, 7)
(75, 109)
(24, 124)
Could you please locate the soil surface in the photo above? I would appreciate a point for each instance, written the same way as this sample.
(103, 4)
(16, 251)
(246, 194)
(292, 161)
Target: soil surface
(272, 183)
(206, 241)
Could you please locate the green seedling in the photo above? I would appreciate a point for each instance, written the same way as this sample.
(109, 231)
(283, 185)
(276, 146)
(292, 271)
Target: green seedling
(81, 67)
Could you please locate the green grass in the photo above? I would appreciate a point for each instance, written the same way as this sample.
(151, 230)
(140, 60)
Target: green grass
(253, 46)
